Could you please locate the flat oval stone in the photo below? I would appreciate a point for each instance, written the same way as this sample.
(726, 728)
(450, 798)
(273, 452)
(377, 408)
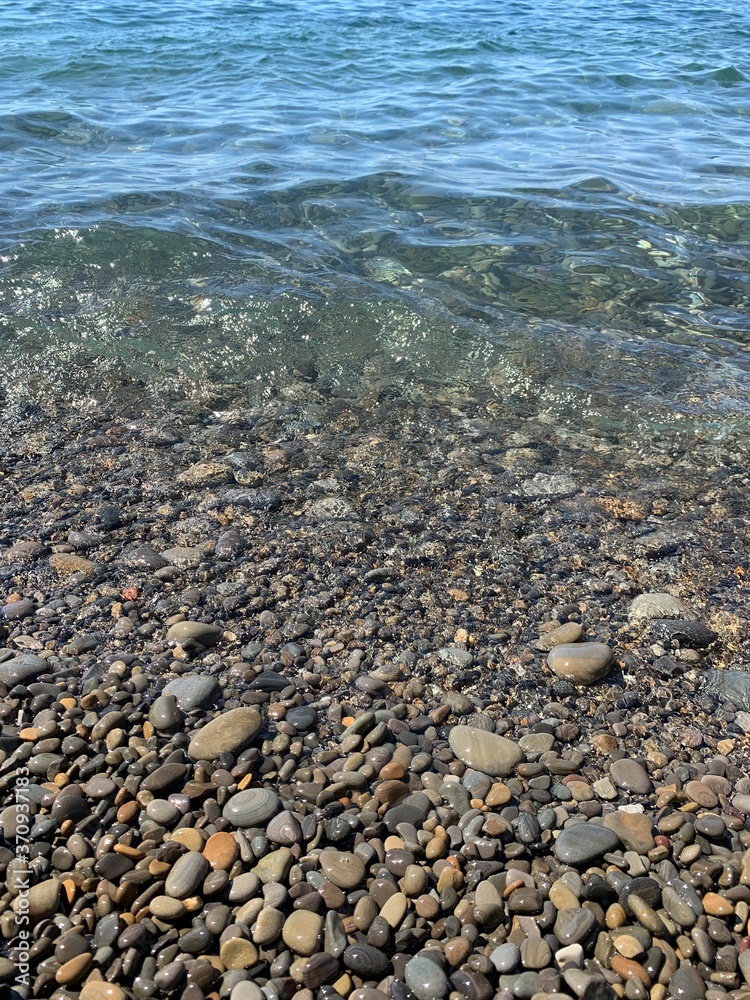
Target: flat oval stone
(21, 668)
(167, 908)
(633, 829)
(162, 811)
(369, 962)
(186, 875)
(230, 732)
(238, 953)
(43, 899)
(486, 752)
(574, 926)
(164, 714)
(102, 991)
(426, 979)
(163, 777)
(695, 635)
(711, 825)
(221, 850)
(302, 932)
(567, 633)
(343, 869)
(702, 794)
(193, 691)
(687, 984)
(583, 842)
(506, 957)
(200, 632)
(252, 807)
(75, 969)
(319, 969)
(580, 662)
(648, 607)
(303, 718)
(630, 776)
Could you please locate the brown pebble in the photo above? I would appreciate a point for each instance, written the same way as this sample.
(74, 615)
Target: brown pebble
(221, 851)
(716, 906)
(498, 795)
(615, 916)
(102, 991)
(626, 968)
(457, 950)
(74, 970)
(392, 771)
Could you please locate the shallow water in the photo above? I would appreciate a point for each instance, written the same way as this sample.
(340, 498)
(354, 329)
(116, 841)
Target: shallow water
(542, 205)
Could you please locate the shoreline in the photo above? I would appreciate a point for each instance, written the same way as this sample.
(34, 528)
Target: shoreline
(399, 563)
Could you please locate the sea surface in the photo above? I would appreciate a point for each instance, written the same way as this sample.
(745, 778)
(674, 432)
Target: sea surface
(541, 202)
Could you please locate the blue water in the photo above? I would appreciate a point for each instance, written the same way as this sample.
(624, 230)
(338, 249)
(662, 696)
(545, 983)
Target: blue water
(524, 197)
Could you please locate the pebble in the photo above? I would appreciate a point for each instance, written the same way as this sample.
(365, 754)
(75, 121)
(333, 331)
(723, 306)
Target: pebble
(302, 932)
(229, 732)
(579, 844)
(22, 668)
(634, 830)
(197, 632)
(186, 875)
(580, 663)
(489, 753)
(193, 691)
(252, 807)
(426, 979)
(650, 606)
(630, 776)
(343, 869)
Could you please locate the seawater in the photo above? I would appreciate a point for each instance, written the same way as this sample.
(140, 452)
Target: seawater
(544, 202)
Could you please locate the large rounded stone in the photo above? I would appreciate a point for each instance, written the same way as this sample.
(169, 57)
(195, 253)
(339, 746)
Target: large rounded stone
(193, 691)
(231, 732)
(581, 843)
(194, 632)
(302, 931)
(648, 607)
(186, 875)
(253, 807)
(580, 662)
(630, 776)
(426, 979)
(43, 900)
(486, 752)
(633, 829)
(344, 870)
(21, 669)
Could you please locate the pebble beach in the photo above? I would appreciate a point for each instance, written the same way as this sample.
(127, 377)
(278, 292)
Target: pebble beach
(379, 694)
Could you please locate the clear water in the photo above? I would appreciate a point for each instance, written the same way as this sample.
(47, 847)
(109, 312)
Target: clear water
(539, 201)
